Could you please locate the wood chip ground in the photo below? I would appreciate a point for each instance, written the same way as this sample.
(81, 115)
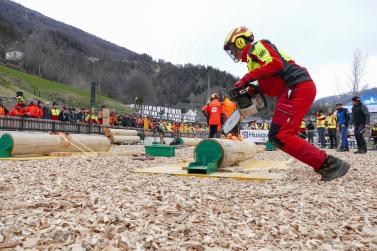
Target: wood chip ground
(97, 203)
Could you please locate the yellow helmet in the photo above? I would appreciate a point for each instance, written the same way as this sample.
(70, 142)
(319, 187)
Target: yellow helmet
(20, 99)
(213, 96)
(237, 39)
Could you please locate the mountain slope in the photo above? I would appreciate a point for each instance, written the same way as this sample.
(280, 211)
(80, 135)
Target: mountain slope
(59, 52)
(33, 86)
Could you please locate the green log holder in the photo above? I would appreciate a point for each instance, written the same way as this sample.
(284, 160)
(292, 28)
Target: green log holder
(209, 155)
(6, 145)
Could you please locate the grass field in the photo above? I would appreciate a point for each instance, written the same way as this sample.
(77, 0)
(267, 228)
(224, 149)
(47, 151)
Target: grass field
(12, 80)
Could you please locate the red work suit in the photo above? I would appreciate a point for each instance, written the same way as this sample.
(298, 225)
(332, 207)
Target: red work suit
(18, 110)
(278, 75)
(213, 112)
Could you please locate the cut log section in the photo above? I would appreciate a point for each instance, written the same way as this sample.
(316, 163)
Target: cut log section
(119, 132)
(235, 151)
(119, 139)
(23, 143)
(212, 154)
(122, 136)
(188, 142)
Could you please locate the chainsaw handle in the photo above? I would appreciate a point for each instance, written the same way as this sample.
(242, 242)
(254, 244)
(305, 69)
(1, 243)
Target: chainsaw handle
(259, 91)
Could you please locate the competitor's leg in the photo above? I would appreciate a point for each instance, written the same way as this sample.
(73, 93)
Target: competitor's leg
(285, 123)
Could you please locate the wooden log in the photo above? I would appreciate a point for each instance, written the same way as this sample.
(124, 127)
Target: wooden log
(119, 132)
(24, 143)
(119, 139)
(60, 154)
(228, 152)
(188, 142)
(236, 151)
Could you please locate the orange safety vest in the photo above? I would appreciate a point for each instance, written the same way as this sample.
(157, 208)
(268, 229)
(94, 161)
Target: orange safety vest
(2, 111)
(228, 107)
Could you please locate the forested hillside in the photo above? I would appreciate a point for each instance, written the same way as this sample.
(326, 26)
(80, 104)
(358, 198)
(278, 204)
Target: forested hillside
(59, 52)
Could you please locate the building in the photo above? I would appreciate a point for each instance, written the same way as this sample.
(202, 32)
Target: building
(158, 112)
(190, 116)
(14, 56)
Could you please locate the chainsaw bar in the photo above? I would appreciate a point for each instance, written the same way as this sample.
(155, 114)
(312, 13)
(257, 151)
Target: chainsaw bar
(232, 121)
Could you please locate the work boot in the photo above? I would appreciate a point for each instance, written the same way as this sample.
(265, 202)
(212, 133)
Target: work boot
(358, 151)
(333, 168)
(362, 151)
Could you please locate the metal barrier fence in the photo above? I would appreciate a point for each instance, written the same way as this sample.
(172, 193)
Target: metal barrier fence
(11, 123)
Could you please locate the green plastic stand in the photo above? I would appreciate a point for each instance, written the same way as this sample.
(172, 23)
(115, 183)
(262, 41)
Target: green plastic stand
(6, 145)
(270, 146)
(208, 157)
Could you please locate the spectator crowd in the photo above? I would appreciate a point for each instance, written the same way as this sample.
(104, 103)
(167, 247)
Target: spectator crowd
(45, 110)
(336, 128)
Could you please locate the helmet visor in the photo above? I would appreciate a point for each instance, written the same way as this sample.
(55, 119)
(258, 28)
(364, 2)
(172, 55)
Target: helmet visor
(232, 52)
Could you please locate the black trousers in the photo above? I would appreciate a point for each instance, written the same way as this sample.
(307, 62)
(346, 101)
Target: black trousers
(311, 137)
(212, 131)
(333, 138)
(359, 130)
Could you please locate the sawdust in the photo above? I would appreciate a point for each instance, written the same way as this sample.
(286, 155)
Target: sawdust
(96, 202)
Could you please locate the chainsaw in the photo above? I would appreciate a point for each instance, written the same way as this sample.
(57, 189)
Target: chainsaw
(250, 100)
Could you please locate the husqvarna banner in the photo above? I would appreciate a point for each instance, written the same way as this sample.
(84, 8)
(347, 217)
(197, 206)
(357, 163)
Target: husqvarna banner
(257, 136)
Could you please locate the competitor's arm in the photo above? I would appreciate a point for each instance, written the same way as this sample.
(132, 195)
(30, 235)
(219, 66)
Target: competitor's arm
(269, 59)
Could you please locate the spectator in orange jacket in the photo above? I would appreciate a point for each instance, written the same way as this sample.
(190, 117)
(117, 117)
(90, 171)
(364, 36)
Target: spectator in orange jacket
(228, 106)
(34, 110)
(3, 109)
(19, 108)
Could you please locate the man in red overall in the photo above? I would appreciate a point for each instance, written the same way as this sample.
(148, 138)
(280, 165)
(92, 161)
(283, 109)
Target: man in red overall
(213, 112)
(279, 76)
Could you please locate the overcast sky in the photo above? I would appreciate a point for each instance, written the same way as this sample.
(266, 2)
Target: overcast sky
(320, 35)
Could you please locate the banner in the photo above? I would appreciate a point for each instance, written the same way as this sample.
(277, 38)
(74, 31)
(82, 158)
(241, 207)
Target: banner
(257, 136)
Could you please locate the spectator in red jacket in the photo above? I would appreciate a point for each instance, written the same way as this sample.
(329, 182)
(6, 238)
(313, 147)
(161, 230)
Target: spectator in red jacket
(19, 108)
(213, 112)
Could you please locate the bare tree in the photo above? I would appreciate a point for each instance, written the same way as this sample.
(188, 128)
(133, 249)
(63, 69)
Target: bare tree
(358, 67)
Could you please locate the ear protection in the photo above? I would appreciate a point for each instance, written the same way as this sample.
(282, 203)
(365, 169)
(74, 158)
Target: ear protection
(240, 43)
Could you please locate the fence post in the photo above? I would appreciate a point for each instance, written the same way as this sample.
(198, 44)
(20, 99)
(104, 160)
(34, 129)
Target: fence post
(22, 123)
(53, 126)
